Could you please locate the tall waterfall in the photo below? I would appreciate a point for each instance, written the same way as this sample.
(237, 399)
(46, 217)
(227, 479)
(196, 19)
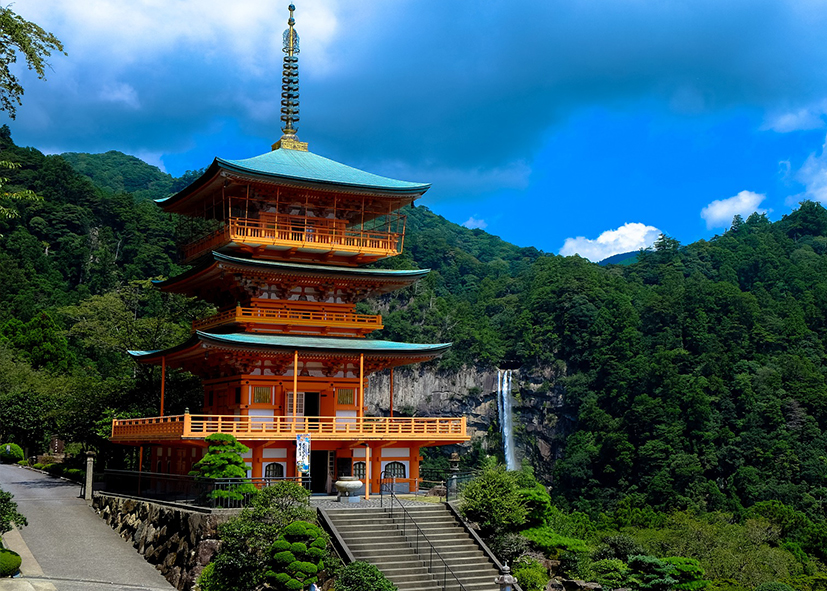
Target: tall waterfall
(506, 418)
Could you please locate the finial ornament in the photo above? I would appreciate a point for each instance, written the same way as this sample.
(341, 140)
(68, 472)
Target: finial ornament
(290, 87)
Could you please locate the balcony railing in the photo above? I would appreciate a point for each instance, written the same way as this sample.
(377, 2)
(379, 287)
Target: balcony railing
(363, 323)
(302, 232)
(286, 428)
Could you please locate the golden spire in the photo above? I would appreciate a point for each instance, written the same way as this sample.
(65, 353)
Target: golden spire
(290, 88)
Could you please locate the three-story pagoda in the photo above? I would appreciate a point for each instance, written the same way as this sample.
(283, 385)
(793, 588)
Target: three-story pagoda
(286, 354)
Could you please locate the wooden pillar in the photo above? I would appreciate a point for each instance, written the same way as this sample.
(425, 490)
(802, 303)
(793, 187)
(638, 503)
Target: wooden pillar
(361, 408)
(140, 458)
(258, 456)
(367, 472)
(295, 387)
(163, 381)
(391, 392)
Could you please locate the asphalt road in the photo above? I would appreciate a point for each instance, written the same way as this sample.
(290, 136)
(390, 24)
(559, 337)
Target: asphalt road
(67, 547)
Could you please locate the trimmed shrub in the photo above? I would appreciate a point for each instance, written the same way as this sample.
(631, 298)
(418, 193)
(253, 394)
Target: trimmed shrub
(297, 556)
(611, 573)
(23, 463)
(361, 576)
(10, 453)
(9, 563)
(509, 546)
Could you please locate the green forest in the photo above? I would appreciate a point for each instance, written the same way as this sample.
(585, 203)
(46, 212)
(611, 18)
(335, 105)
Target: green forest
(692, 380)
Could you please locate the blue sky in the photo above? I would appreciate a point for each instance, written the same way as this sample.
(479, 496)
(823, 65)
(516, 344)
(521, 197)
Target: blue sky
(576, 126)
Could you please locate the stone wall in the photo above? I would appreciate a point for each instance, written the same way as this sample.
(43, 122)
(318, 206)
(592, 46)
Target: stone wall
(178, 541)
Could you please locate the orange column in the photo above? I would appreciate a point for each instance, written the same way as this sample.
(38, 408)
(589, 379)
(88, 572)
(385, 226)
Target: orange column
(295, 386)
(368, 473)
(258, 456)
(391, 392)
(163, 381)
(361, 408)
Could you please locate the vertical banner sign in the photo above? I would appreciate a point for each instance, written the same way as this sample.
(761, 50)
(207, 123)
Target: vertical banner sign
(303, 453)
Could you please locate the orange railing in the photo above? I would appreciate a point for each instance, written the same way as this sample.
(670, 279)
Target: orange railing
(321, 318)
(298, 231)
(328, 428)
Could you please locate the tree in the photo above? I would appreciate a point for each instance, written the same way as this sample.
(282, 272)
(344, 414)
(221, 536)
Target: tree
(9, 515)
(24, 195)
(493, 501)
(223, 460)
(33, 42)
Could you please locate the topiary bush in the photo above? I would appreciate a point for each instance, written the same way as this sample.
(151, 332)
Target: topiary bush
(9, 563)
(10, 453)
(361, 576)
(297, 556)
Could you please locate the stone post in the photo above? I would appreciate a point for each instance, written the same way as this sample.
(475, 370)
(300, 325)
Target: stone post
(90, 467)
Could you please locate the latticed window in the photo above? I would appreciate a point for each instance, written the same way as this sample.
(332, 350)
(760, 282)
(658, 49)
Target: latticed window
(299, 404)
(345, 395)
(359, 470)
(395, 470)
(261, 394)
(274, 470)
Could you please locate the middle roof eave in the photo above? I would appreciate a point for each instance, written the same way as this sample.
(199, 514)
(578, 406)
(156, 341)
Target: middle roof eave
(277, 342)
(287, 268)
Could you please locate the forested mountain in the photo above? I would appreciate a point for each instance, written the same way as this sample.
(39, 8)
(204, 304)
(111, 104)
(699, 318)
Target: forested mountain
(691, 379)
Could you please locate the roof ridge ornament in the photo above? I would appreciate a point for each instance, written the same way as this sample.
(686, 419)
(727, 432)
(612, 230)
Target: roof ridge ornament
(290, 88)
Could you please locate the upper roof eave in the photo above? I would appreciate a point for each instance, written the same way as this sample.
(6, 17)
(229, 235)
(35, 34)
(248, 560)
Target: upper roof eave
(320, 172)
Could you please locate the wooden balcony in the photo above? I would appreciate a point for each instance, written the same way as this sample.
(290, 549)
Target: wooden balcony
(323, 237)
(300, 320)
(178, 427)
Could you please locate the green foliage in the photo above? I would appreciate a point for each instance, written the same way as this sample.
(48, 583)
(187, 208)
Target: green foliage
(361, 576)
(297, 556)
(9, 562)
(508, 546)
(34, 44)
(688, 572)
(648, 573)
(552, 543)
(610, 573)
(223, 460)
(530, 574)
(774, 586)
(9, 515)
(250, 541)
(10, 453)
(493, 501)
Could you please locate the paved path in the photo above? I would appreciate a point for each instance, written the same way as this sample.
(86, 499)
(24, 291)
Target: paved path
(66, 547)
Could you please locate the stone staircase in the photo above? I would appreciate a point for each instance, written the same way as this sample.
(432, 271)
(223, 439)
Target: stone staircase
(373, 536)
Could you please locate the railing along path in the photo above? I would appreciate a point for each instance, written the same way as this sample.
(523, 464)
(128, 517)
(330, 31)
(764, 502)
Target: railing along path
(387, 485)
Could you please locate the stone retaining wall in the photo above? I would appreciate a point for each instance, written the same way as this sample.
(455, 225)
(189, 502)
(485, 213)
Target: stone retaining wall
(178, 541)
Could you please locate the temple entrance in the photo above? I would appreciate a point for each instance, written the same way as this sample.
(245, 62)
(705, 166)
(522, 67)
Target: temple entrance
(318, 471)
(311, 406)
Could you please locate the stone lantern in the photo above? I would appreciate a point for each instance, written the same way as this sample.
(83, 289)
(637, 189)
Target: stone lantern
(453, 461)
(506, 580)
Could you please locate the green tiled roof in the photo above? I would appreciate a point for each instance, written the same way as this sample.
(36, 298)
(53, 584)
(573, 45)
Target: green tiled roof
(327, 344)
(354, 272)
(307, 166)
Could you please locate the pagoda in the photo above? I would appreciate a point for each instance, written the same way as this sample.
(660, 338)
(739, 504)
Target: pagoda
(286, 354)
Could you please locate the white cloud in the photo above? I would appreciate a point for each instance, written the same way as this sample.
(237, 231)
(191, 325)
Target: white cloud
(811, 117)
(120, 93)
(472, 223)
(136, 31)
(813, 175)
(628, 237)
(720, 212)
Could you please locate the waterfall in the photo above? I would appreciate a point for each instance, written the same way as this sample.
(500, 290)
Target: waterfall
(504, 408)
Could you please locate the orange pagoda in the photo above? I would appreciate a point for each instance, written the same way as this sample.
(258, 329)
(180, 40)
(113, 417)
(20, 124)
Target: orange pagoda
(286, 355)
